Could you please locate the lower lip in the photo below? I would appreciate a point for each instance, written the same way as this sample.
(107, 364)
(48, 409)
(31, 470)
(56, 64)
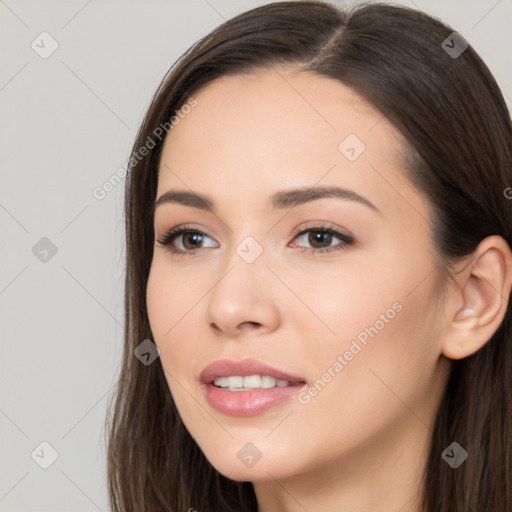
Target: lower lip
(248, 403)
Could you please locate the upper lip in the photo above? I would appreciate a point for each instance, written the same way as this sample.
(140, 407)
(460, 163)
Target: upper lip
(243, 368)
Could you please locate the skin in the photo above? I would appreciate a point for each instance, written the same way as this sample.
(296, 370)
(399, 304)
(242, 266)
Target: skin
(361, 443)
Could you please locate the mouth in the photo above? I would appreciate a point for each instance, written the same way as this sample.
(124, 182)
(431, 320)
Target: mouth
(246, 374)
(250, 382)
(247, 387)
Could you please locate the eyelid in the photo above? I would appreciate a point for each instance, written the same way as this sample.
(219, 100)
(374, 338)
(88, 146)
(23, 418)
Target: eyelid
(320, 225)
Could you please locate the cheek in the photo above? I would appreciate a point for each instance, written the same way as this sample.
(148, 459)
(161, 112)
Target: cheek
(168, 300)
(169, 297)
(382, 369)
(342, 304)
(175, 299)
(390, 352)
(380, 319)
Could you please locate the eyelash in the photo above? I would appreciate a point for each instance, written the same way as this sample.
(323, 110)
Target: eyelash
(172, 234)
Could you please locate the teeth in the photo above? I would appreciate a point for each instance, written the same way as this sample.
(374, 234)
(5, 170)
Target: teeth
(222, 382)
(237, 383)
(267, 382)
(251, 381)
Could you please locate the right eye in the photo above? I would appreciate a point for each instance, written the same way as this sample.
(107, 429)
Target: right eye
(189, 238)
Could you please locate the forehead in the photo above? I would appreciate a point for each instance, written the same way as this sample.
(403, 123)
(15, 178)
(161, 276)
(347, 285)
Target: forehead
(277, 128)
(267, 101)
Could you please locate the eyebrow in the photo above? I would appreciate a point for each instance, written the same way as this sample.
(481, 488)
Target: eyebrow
(279, 200)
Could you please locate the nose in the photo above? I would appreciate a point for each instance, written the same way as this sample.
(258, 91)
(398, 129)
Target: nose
(243, 299)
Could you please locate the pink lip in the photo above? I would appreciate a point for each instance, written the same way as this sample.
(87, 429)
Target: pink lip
(243, 368)
(246, 403)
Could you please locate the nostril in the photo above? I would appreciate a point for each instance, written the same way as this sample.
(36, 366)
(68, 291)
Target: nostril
(251, 324)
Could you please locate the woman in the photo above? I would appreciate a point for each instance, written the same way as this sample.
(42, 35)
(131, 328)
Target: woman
(319, 273)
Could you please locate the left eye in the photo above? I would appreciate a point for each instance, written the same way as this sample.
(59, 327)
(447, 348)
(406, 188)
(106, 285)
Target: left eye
(321, 238)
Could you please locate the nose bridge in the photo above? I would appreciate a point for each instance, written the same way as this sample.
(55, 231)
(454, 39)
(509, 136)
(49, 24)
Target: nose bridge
(244, 269)
(243, 292)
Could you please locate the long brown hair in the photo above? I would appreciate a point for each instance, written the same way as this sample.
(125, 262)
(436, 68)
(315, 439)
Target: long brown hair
(458, 130)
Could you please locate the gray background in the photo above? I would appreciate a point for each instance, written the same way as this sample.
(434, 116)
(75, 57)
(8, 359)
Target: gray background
(67, 124)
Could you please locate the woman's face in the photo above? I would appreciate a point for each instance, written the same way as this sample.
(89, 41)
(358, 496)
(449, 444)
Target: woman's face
(350, 312)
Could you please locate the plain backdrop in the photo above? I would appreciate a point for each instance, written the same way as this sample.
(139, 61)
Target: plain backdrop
(68, 121)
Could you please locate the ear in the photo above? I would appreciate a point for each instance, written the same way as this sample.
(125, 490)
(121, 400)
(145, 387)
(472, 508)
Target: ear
(479, 305)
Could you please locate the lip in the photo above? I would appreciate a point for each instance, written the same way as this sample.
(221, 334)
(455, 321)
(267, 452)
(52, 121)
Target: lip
(246, 403)
(243, 368)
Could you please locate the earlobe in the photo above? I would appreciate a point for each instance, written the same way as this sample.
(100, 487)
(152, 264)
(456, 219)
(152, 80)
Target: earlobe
(485, 290)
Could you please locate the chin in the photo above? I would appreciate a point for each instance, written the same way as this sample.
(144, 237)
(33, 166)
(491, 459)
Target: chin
(261, 471)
